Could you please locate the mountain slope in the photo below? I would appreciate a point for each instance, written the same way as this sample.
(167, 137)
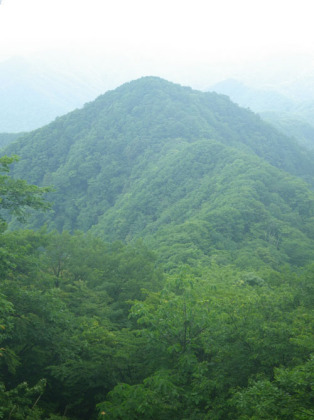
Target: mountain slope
(7, 138)
(205, 200)
(293, 126)
(145, 114)
(194, 174)
(292, 118)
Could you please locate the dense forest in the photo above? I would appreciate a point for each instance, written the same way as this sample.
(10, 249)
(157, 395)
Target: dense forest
(157, 263)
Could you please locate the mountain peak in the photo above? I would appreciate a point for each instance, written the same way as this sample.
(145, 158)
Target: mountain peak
(121, 160)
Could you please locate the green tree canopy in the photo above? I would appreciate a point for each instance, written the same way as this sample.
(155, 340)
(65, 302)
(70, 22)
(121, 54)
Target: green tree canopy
(16, 195)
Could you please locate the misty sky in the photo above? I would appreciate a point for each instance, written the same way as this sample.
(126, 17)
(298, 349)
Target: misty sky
(187, 34)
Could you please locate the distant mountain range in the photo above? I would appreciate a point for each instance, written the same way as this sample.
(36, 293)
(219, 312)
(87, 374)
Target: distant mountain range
(36, 90)
(33, 94)
(196, 176)
(293, 117)
(255, 99)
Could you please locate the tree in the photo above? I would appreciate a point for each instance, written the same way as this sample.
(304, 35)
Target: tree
(16, 195)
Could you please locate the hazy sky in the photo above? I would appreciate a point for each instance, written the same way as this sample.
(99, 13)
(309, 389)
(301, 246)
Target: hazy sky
(217, 28)
(214, 32)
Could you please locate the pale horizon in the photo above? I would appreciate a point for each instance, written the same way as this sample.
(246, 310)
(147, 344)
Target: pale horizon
(179, 40)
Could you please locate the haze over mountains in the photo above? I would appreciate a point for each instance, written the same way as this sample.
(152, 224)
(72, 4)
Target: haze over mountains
(32, 95)
(290, 113)
(156, 210)
(36, 89)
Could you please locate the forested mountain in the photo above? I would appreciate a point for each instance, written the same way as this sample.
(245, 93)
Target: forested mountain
(153, 157)
(171, 277)
(293, 126)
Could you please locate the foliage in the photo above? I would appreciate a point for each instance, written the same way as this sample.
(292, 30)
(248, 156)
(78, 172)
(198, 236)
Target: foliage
(21, 402)
(217, 323)
(206, 338)
(70, 313)
(17, 194)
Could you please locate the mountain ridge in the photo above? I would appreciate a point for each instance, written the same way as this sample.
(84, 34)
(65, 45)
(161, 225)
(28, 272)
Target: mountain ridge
(134, 163)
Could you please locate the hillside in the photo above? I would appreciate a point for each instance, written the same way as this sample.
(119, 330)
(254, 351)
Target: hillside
(291, 125)
(7, 138)
(156, 160)
(189, 295)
